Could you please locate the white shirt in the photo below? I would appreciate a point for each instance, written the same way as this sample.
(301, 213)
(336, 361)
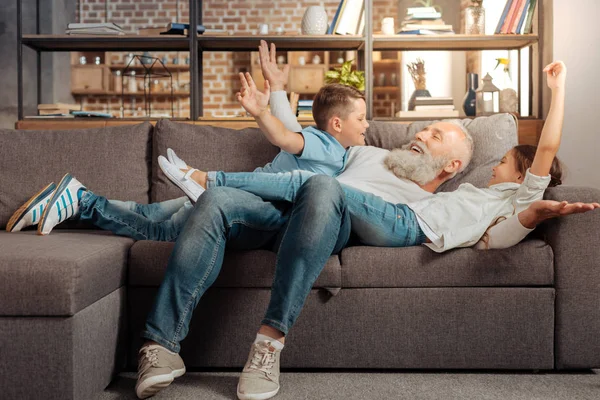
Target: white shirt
(460, 218)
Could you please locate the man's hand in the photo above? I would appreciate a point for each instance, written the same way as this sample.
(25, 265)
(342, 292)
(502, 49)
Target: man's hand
(556, 74)
(253, 100)
(268, 62)
(542, 210)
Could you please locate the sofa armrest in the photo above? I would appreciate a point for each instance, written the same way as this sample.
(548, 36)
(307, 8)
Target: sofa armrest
(577, 279)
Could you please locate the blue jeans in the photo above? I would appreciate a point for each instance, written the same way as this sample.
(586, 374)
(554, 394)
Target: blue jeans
(305, 234)
(158, 221)
(375, 222)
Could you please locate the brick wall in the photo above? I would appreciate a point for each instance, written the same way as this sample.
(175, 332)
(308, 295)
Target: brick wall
(219, 68)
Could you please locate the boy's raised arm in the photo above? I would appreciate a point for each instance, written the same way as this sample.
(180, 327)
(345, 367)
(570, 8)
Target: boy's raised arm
(255, 102)
(549, 143)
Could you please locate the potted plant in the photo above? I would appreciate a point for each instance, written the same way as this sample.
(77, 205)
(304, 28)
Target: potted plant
(346, 76)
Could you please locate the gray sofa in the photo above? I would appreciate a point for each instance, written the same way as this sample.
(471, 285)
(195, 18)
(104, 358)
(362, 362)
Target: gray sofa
(72, 304)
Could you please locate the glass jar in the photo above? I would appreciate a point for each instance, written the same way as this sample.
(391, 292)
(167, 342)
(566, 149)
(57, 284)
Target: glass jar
(475, 20)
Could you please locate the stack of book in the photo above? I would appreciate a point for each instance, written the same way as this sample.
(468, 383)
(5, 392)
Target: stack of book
(517, 17)
(57, 110)
(431, 107)
(106, 28)
(349, 19)
(305, 108)
(424, 21)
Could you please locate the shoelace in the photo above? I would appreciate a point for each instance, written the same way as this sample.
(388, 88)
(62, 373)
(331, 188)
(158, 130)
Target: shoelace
(150, 358)
(263, 359)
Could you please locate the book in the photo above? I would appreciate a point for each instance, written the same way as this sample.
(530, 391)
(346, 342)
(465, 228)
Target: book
(434, 114)
(109, 25)
(335, 18)
(431, 101)
(435, 107)
(176, 28)
(361, 23)
(503, 16)
(529, 20)
(105, 28)
(349, 17)
(512, 14)
(57, 106)
(337, 22)
(432, 27)
(54, 112)
(518, 16)
(523, 15)
(91, 114)
(425, 32)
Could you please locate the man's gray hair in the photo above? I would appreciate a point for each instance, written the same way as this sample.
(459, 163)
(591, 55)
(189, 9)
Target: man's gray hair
(463, 153)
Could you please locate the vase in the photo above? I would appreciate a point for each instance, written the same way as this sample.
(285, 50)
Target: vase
(314, 21)
(475, 20)
(470, 97)
(417, 93)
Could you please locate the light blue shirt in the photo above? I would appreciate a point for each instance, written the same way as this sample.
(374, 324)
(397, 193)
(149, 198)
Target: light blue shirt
(322, 154)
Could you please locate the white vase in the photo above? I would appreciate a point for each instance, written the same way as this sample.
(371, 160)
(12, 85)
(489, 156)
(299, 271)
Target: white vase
(314, 21)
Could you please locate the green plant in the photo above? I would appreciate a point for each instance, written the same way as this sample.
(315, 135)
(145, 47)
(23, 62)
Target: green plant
(346, 76)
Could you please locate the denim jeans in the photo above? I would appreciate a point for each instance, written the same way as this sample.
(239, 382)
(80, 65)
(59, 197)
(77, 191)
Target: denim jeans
(306, 233)
(375, 222)
(157, 221)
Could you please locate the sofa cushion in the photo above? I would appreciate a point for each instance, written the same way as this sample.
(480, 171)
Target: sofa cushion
(492, 136)
(113, 162)
(59, 274)
(529, 263)
(250, 269)
(207, 148)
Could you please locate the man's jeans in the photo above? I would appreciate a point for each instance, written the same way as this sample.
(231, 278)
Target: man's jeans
(158, 221)
(375, 221)
(305, 234)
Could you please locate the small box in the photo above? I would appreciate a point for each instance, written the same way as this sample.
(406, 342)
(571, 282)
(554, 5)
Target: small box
(90, 77)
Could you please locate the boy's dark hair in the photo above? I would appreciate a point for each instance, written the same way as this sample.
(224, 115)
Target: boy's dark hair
(334, 99)
(524, 154)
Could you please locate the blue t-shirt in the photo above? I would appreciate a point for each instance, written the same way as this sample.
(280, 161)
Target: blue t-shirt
(322, 154)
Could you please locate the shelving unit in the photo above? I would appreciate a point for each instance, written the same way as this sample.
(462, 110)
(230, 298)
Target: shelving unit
(364, 45)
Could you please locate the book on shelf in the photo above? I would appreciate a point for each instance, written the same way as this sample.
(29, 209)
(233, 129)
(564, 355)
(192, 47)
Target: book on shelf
(334, 21)
(432, 27)
(176, 28)
(59, 106)
(517, 17)
(424, 21)
(526, 28)
(423, 13)
(425, 32)
(434, 107)
(50, 116)
(428, 114)
(91, 114)
(349, 19)
(105, 28)
(428, 101)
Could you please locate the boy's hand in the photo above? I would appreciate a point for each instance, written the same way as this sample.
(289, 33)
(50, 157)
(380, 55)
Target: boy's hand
(253, 100)
(556, 73)
(268, 62)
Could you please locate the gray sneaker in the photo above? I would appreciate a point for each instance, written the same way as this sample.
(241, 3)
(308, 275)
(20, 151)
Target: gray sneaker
(157, 367)
(260, 377)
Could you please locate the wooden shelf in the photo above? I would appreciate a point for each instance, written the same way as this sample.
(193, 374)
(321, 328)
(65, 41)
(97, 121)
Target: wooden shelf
(452, 42)
(283, 42)
(106, 43)
(138, 93)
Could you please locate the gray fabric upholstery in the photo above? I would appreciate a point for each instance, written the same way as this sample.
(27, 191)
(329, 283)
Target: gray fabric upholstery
(148, 262)
(102, 159)
(574, 240)
(59, 274)
(207, 148)
(492, 137)
(70, 358)
(496, 328)
(527, 264)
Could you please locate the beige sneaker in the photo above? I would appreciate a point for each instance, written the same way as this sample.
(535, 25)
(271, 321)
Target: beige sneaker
(260, 377)
(157, 367)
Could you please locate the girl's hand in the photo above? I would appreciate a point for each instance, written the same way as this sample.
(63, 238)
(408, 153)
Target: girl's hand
(253, 100)
(542, 210)
(556, 73)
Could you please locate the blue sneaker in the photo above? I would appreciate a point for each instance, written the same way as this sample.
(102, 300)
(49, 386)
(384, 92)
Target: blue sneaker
(63, 204)
(31, 211)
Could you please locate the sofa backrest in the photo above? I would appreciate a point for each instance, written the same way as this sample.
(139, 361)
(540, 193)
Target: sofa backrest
(215, 148)
(114, 162)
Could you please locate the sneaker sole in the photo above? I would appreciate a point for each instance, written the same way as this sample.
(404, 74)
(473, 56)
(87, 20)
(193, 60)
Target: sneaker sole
(155, 384)
(64, 182)
(25, 208)
(257, 396)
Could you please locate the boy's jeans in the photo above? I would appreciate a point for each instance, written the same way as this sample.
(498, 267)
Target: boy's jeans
(158, 221)
(375, 221)
(305, 235)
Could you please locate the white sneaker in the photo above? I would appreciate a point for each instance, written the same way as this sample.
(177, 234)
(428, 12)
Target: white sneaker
(31, 211)
(157, 368)
(260, 377)
(63, 204)
(182, 179)
(173, 159)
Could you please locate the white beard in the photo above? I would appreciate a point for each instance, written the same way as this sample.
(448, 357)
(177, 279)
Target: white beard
(419, 168)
